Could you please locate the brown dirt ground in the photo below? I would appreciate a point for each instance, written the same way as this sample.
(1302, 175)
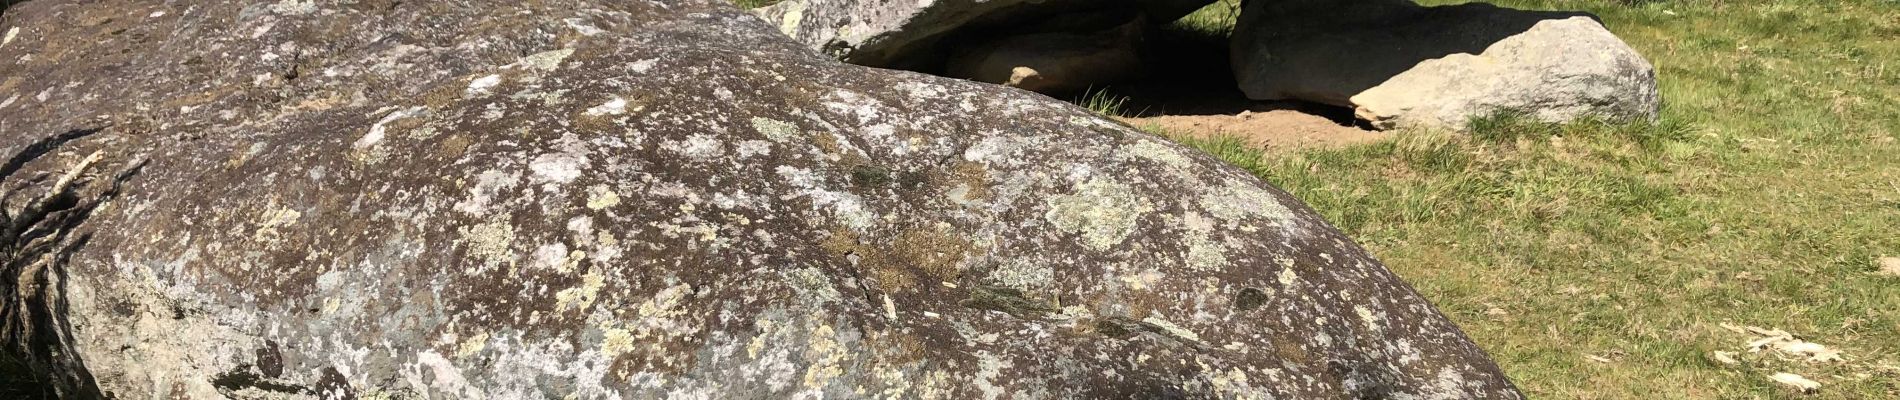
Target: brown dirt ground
(1190, 91)
(1270, 128)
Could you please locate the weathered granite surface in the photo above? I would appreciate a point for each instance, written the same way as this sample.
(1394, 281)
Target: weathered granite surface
(602, 199)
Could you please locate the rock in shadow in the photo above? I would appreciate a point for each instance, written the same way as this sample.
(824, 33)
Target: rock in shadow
(1398, 63)
(1064, 54)
(38, 237)
(1326, 51)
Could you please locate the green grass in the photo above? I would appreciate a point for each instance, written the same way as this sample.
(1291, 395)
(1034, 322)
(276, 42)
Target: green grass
(1102, 101)
(1213, 21)
(1762, 198)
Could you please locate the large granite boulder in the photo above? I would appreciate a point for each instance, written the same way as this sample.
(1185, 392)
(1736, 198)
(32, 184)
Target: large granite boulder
(640, 199)
(1397, 63)
(917, 34)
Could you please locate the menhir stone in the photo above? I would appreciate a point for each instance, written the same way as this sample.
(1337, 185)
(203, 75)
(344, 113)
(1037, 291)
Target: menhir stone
(638, 199)
(1400, 64)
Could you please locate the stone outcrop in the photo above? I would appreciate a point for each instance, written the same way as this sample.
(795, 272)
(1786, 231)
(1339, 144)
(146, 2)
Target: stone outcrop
(1399, 64)
(641, 199)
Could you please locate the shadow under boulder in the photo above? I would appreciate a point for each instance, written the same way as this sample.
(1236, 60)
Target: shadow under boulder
(1400, 64)
(912, 35)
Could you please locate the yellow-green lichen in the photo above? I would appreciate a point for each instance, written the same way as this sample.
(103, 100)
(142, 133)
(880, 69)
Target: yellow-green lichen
(616, 341)
(600, 197)
(492, 241)
(1103, 211)
(825, 355)
(473, 345)
(272, 220)
(583, 296)
(794, 14)
(775, 130)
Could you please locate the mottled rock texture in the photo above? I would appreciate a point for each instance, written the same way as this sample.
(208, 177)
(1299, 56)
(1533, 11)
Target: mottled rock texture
(638, 199)
(1401, 64)
(915, 34)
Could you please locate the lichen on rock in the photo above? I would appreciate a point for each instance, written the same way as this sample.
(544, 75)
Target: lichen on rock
(445, 199)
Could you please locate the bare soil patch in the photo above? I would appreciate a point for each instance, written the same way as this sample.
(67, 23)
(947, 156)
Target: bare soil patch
(1267, 125)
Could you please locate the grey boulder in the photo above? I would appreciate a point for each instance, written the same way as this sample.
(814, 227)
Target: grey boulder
(1400, 64)
(636, 199)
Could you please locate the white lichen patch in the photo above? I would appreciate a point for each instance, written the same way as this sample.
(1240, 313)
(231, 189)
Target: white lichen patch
(562, 167)
(600, 197)
(546, 60)
(558, 258)
(1234, 201)
(847, 208)
(1372, 319)
(775, 130)
(1204, 254)
(990, 367)
(443, 373)
(812, 285)
(482, 85)
(11, 33)
(606, 247)
(294, 7)
(488, 185)
(367, 148)
(753, 148)
(994, 149)
(1160, 153)
(1103, 211)
(698, 147)
(614, 106)
(582, 27)
(1024, 275)
(642, 66)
